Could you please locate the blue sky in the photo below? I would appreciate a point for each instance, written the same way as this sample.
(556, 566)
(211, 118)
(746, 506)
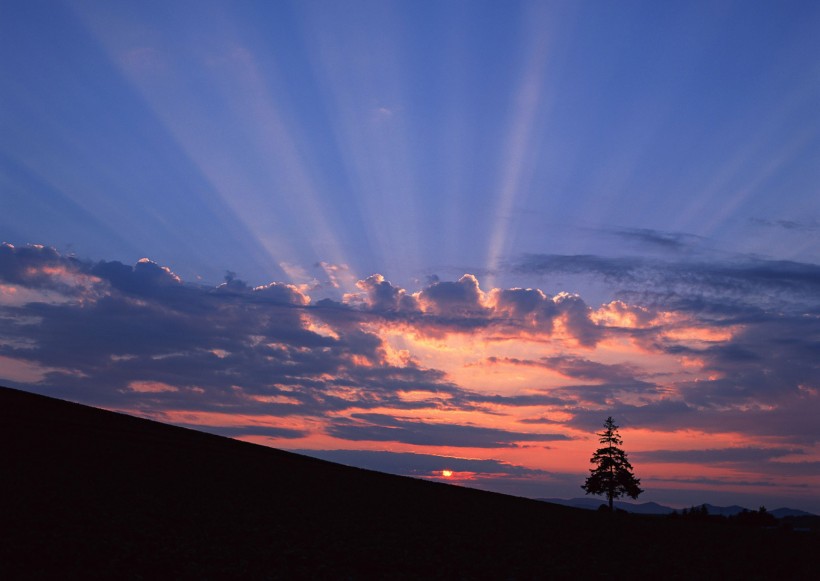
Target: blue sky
(406, 138)
(663, 154)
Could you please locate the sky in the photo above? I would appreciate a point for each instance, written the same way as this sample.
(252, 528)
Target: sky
(440, 239)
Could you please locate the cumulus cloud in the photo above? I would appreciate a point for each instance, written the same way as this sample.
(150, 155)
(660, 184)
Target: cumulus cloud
(381, 296)
(444, 307)
(454, 299)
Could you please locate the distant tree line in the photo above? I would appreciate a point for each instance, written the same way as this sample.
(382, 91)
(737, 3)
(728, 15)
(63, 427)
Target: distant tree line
(749, 518)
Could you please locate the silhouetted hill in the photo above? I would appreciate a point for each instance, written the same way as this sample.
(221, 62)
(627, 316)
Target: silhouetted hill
(86, 493)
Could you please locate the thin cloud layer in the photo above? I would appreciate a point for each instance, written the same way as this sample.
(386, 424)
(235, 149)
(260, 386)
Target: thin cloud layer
(511, 376)
(426, 465)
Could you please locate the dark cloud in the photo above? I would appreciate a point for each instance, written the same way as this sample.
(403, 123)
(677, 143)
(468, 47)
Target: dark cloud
(771, 362)
(247, 431)
(794, 468)
(794, 225)
(662, 415)
(614, 378)
(384, 428)
(143, 279)
(545, 398)
(715, 455)
(654, 239)
(720, 482)
(37, 266)
(580, 368)
(748, 280)
(540, 420)
(412, 464)
(585, 264)
(793, 420)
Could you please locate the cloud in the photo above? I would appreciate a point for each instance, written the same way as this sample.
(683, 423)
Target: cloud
(414, 464)
(720, 482)
(381, 296)
(384, 428)
(454, 299)
(486, 364)
(40, 267)
(745, 280)
(144, 278)
(791, 225)
(587, 264)
(247, 431)
(716, 455)
(655, 239)
(613, 377)
(531, 307)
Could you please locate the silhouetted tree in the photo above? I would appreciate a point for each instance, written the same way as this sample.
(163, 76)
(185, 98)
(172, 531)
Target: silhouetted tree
(697, 513)
(613, 473)
(758, 518)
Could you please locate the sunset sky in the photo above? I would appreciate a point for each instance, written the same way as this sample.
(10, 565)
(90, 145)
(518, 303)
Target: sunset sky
(436, 238)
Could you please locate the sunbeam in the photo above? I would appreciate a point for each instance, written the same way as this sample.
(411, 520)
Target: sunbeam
(264, 174)
(519, 147)
(359, 66)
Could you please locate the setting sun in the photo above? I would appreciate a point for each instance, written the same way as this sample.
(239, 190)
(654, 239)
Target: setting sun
(447, 473)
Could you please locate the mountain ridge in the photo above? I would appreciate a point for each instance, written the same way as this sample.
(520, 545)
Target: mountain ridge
(660, 509)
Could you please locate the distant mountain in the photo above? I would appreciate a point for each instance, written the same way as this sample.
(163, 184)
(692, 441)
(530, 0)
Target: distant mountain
(724, 510)
(784, 512)
(655, 508)
(594, 503)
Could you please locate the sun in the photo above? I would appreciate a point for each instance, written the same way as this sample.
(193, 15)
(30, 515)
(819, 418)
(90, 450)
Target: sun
(447, 473)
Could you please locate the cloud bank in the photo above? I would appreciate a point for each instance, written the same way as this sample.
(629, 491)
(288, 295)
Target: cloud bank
(727, 351)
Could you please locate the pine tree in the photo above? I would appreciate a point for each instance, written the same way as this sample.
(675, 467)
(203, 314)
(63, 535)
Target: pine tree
(613, 473)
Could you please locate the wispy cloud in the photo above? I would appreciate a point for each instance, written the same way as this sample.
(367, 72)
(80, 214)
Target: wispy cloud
(716, 456)
(429, 465)
(648, 239)
(383, 428)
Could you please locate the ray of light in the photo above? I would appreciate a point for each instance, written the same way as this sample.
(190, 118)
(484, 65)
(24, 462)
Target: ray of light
(530, 104)
(357, 63)
(743, 173)
(250, 156)
(101, 157)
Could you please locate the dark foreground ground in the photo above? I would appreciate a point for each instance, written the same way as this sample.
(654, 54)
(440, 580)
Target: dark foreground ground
(86, 493)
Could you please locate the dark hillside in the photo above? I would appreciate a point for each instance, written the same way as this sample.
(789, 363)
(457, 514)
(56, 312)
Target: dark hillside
(87, 493)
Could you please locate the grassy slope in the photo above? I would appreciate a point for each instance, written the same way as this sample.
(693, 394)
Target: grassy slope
(89, 493)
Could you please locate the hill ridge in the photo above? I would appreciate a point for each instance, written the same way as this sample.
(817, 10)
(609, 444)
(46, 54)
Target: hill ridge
(96, 494)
